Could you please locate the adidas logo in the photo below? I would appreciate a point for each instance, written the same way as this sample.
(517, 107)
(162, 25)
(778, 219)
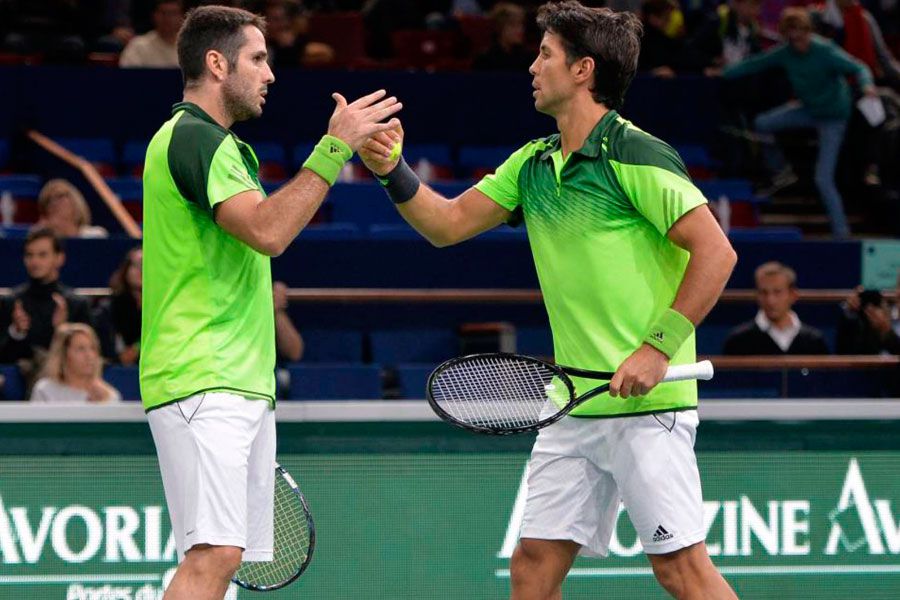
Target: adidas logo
(658, 336)
(333, 149)
(662, 535)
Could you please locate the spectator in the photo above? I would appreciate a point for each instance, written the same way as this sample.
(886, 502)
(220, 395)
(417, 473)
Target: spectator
(63, 210)
(869, 324)
(73, 371)
(817, 70)
(663, 46)
(119, 319)
(849, 24)
(508, 51)
(288, 340)
(29, 317)
(730, 35)
(776, 329)
(286, 40)
(156, 49)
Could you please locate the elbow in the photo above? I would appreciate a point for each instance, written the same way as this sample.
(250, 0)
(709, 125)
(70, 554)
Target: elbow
(441, 241)
(270, 245)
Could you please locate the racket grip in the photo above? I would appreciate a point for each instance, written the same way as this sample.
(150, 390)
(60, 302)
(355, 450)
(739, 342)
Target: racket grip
(700, 370)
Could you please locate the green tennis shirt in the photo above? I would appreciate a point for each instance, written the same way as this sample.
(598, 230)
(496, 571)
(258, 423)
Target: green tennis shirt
(597, 223)
(207, 316)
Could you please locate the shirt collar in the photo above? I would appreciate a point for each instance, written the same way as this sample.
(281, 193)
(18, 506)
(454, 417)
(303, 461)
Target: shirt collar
(196, 111)
(763, 322)
(593, 143)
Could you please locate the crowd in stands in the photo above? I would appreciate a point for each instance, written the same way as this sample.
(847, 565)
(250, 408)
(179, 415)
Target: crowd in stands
(835, 59)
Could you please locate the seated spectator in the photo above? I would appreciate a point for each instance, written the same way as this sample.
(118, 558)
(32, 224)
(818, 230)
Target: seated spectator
(508, 51)
(869, 324)
(849, 24)
(63, 210)
(730, 34)
(663, 46)
(119, 318)
(776, 329)
(818, 71)
(156, 49)
(31, 314)
(288, 340)
(73, 371)
(286, 38)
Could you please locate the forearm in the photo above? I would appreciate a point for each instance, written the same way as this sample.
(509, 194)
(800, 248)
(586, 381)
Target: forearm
(279, 218)
(433, 216)
(287, 338)
(707, 273)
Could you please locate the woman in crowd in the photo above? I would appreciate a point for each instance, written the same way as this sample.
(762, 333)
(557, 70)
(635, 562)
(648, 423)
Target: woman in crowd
(73, 371)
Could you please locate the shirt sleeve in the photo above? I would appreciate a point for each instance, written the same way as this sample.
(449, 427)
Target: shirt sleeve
(502, 186)
(228, 175)
(755, 64)
(846, 64)
(39, 392)
(655, 180)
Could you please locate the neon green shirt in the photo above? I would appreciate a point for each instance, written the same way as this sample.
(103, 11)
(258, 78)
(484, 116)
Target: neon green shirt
(597, 224)
(207, 316)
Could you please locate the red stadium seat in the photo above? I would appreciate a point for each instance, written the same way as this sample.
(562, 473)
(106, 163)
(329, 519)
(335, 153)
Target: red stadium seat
(344, 32)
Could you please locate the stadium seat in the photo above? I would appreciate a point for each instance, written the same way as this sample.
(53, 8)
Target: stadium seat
(332, 345)
(129, 189)
(272, 160)
(534, 341)
(809, 383)
(478, 31)
(343, 31)
(24, 190)
(765, 234)
(124, 379)
(742, 384)
(133, 154)
(11, 385)
(697, 160)
(361, 203)
(477, 161)
(426, 49)
(334, 382)
(432, 162)
(413, 379)
(397, 346)
(711, 338)
(98, 151)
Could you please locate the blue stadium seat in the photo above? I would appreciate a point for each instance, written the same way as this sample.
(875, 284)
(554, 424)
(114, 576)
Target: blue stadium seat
(361, 203)
(765, 234)
(695, 155)
(438, 154)
(397, 346)
(711, 338)
(12, 387)
(413, 378)
(742, 384)
(332, 345)
(808, 383)
(124, 379)
(477, 160)
(534, 341)
(133, 154)
(96, 150)
(334, 382)
(733, 189)
(331, 232)
(21, 186)
(129, 189)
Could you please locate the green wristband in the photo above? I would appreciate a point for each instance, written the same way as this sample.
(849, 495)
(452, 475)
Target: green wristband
(669, 332)
(328, 158)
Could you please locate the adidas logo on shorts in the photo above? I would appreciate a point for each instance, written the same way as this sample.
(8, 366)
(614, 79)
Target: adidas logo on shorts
(662, 535)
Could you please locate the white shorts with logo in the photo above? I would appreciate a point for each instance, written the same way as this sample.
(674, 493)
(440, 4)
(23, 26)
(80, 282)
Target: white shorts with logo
(581, 468)
(217, 460)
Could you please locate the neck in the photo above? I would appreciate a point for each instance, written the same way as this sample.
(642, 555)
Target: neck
(48, 280)
(211, 102)
(81, 382)
(577, 120)
(784, 322)
(169, 38)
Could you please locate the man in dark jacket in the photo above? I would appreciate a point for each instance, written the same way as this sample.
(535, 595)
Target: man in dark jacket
(776, 328)
(35, 309)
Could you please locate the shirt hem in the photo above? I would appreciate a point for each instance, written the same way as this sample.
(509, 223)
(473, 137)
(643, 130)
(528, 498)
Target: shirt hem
(634, 414)
(249, 394)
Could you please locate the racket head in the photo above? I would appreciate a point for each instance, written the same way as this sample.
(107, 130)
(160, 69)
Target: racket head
(499, 393)
(294, 542)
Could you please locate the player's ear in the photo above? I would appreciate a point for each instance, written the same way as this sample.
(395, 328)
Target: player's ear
(217, 65)
(583, 69)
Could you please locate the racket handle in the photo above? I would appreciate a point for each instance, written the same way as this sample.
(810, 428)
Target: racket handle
(699, 370)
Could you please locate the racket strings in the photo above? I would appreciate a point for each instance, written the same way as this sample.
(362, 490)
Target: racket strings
(497, 392)
(291, 546)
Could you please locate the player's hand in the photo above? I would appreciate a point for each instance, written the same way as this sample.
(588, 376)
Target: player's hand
(639, 373)
(376, 152)
(21, 321)
(354, 123)
(61, 312)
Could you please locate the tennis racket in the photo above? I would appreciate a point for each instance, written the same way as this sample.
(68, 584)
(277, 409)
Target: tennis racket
(295, 538)
(502, 394)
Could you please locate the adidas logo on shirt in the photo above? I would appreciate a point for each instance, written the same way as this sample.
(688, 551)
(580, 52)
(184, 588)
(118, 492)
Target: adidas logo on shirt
(662, 535)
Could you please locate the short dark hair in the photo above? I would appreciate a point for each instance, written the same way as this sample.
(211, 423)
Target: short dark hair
(39, 233)
(206, 28)
(612, 39)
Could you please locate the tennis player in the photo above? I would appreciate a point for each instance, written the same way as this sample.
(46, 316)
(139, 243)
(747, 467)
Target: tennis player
(208, 335)
(629, 259)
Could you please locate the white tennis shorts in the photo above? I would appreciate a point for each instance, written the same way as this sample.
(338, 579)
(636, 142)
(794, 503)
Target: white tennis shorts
(580, 469)
(217, 460)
